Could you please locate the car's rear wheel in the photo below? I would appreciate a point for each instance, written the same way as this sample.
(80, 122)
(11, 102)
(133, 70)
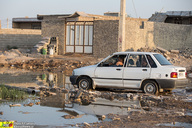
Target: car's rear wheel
(85, 83)
(150, 87)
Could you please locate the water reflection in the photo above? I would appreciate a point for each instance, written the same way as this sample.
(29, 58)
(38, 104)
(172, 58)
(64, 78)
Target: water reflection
(21, 78)
(60, 109)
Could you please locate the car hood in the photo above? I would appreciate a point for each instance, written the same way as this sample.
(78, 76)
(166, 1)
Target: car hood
(87, 70)
(88, 67)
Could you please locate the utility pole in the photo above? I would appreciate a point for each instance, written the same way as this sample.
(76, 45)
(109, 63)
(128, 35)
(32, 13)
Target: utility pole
(121, 35)
(7, 23)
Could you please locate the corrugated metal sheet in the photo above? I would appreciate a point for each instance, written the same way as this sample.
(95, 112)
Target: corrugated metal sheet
(179, 13)
(158, 17)
(26, 20)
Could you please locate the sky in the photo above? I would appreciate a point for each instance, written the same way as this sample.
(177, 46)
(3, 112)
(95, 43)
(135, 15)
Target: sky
(135, 8)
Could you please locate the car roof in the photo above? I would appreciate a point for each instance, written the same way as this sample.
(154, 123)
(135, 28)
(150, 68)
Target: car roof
(127, 52)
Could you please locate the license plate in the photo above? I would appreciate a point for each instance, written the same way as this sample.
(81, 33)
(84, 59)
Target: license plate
(181, 74)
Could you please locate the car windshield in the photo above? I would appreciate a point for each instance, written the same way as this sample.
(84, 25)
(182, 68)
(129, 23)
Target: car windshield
(161, 59)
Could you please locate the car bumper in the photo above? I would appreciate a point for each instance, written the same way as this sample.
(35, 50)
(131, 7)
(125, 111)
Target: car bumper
(171, 84)
(73, 80)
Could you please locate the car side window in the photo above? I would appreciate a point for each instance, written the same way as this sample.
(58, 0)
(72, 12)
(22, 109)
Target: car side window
(151, 61)
(136, 60)
(114, 61)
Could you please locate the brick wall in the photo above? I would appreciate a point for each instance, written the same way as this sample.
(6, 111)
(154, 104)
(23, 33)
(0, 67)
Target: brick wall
(105, 40)
(55, 28)
(172, 36)
(19, 38)
(139, 34)
(153, 34)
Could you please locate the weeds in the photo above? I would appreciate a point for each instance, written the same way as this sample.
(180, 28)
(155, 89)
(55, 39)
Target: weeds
(10, 93)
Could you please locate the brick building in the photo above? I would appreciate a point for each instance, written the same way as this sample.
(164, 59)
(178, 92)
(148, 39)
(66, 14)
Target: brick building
(26, 23)
(174, 17)
(98, 34)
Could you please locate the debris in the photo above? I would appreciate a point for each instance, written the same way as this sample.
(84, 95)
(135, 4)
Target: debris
(174, 51)
(15, 105)
(163, 50)
(1, 113)
(30, 104)
(37, 103)
(86, 124)
(103, 117)
(115, 118)
(69, 117)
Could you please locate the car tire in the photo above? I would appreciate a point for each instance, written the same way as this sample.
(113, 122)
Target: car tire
(150, 87)
(85, 83)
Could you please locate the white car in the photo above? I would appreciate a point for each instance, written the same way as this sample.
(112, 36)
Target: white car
(150, 72)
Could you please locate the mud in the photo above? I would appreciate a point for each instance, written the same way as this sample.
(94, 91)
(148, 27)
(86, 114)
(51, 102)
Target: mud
(112, 108)
(165, 108)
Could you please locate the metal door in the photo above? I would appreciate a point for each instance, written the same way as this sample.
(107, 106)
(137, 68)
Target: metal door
(79, 37)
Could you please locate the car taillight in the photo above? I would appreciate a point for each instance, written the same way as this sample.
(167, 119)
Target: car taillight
(174, 75)
(185, 74)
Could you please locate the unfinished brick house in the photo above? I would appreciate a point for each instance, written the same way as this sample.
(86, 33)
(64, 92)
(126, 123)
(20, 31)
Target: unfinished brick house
(174, 17)
(98, 34)
(26, 23)
(82, 33)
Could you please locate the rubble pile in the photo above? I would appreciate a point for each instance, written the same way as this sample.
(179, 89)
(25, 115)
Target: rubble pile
(181, 57)
(49, 65)
(40, 45)
(16, 59)
(162, 108)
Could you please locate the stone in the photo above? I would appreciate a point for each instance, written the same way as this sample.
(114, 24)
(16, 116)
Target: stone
(163, 50)
(30, 104)
(86, 124)
(37, 103)
(175, 51)
(69, 117)
(1, 113)
(64, 90)
(15, 105)
(103, 117)
(79, 93)
(116, 118)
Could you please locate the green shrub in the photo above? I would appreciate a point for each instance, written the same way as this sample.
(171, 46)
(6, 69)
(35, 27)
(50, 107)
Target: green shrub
(10, 93)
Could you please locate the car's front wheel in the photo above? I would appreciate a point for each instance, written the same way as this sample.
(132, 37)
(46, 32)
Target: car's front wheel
(85, 83)
(150, 87)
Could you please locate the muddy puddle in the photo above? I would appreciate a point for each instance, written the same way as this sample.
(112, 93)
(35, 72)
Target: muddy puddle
(57, 103)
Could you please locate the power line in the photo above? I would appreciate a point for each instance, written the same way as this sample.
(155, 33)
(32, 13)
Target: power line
(134, 8)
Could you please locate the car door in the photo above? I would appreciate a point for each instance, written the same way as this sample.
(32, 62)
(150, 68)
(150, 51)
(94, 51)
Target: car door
(136, 70)
(109, 73)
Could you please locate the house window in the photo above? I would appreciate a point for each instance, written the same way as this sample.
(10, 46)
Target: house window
(142, 25)
(79, 34)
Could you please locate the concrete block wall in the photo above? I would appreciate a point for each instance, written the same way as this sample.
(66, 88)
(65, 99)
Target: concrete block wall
(19, 38)
(156, 34)
(172, 36)
(105, 40)
(55, 28)
(140, 33)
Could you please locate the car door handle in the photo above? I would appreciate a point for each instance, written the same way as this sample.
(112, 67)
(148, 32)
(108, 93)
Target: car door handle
(118, 69)
(144, 69)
